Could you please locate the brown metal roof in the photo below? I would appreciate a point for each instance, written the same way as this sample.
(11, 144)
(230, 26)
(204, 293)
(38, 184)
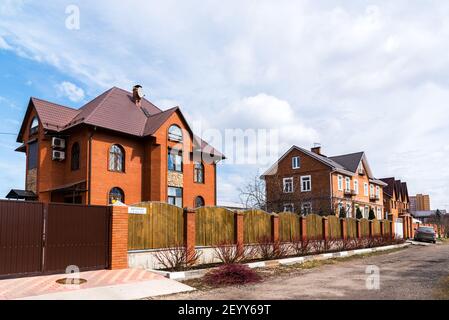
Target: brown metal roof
(113, 109)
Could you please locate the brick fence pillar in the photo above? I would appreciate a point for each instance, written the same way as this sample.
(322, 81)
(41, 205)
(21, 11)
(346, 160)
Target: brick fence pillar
(371, 228)
(344, 229)
(239, 237)
(392, 229)
(303, 228)
(405, 226)
(119, 238)
(189, 231)
(359, 229)
(275, 230)
(411, 232)
(382, 228)
(325, 228)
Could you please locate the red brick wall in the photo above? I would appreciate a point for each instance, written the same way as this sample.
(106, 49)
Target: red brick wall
(119, 238)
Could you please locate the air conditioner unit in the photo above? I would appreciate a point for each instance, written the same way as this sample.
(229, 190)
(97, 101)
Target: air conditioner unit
(58, 143)
(58, 155)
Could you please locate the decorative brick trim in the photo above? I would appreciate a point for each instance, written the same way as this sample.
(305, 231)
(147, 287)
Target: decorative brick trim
(119, 238)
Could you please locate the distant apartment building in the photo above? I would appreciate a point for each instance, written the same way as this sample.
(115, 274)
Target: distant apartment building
(304, 182)
(420, 202)
(396, 198)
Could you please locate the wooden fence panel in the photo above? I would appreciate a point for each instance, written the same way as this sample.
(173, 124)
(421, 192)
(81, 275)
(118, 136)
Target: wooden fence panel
(314, 226)
(289, 229)
(214, 226)
(351, 225)
(256, 225)
(387, 227)
(364, 226)
(161, 227)
(334, 227)
(376, 227)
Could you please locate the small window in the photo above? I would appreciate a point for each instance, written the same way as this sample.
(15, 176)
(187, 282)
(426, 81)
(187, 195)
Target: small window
(371, 188)
(116, 195)
(288, 185)
(116, 158)
(379, 213)
(175, 133)
(296, 162)
(356, 186)
(175, 196)
(348, 210)
(199, 202)
(348, 184)
(366, 213)
(75, 157)
(377, 191)
(365, 189)
(289, 207)
(32, 155)
(174, 160)
(340, 183)
(306, 208)
(306, 183)
(34, 126)
(198, 174)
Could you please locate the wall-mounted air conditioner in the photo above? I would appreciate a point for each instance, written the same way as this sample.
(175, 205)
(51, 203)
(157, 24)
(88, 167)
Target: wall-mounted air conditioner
(58, 143)
(58, 155)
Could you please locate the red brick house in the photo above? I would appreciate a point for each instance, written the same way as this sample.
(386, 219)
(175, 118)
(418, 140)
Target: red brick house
(304, 182)
(396, 198)
(117, 147)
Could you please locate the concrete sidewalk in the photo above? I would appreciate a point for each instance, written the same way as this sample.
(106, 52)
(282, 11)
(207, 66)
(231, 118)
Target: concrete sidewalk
(127, 284)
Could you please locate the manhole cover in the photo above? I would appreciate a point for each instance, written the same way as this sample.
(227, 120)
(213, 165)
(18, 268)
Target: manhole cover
(71, 281)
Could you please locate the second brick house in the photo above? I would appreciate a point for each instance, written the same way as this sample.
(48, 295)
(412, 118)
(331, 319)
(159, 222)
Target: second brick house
(117, 147)
(304, 182)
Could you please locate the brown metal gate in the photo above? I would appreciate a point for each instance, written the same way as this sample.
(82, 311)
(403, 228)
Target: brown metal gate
(76, 235)
(21, 227)
(36, 238)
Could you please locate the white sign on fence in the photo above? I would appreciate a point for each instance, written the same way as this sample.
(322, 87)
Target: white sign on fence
(137, 210)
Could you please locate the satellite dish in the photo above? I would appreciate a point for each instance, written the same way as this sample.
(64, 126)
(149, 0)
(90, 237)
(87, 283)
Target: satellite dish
(140, 92)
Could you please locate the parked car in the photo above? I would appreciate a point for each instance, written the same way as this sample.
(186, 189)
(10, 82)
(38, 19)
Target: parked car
(427, 234)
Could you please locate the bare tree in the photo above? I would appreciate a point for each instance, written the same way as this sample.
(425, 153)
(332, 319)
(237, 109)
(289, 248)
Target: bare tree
(253, 194)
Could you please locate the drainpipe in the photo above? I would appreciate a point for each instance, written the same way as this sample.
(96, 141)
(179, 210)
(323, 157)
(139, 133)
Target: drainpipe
(90, 166)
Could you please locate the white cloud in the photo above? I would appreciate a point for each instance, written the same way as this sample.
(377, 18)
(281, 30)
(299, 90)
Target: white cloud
(354, 75)
(70, 91)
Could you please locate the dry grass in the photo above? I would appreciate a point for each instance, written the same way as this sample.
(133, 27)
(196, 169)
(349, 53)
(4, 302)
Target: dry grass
(268, 273)
(442, 292)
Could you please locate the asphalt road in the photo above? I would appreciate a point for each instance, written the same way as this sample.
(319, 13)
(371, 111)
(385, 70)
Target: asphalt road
(413, 273)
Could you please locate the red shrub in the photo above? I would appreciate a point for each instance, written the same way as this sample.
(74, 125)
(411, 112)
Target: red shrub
(301, 247)
(177, 258)
(266, 249)
(231, 254)
(231, 274)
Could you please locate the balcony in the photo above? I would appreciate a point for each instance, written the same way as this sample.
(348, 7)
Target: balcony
(348, 193)
(374, 197)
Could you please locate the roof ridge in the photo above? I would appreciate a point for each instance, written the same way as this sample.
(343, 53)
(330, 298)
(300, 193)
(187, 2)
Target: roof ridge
(348, 154)
(108, 92)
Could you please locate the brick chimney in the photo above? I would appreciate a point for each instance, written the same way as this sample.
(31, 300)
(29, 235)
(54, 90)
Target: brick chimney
(137, 95)
(316, 149)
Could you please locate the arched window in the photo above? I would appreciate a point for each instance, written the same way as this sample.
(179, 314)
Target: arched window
(116, 158)
(34, 126)
(175, 133)
(199, 202)
(116, 194)
(198, 172)
(75, 159)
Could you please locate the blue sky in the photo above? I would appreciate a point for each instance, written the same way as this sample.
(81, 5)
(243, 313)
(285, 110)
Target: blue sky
(352, 75)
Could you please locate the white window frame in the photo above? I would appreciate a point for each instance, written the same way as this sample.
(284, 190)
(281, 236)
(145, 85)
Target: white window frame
(296, 162)
(290, 205)
(340, 183)
(309, 204)
(366, 212)
(356, 186)
(348, 184)
(302, 183)
(366, 189)
(348, 210)
(285, 184)
(378, 191)
(371, 190)
(379, 213)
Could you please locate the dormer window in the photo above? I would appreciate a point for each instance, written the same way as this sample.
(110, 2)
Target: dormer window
(175, 133)
(34, 126)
